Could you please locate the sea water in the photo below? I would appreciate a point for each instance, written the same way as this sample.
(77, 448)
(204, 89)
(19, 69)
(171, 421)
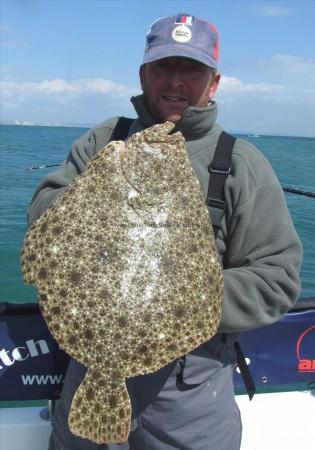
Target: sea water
(22, 147)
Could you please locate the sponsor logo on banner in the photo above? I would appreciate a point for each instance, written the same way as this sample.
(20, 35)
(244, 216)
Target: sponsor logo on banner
(30, 380)
(31, 349)
(306, 362)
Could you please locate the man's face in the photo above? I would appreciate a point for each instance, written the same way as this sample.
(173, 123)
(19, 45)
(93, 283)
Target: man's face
(172, 84)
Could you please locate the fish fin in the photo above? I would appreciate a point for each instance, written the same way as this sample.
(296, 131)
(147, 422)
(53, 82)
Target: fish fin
(101, 410)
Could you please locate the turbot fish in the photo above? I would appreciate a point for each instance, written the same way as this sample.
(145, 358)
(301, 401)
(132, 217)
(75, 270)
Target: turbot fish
(127, 272)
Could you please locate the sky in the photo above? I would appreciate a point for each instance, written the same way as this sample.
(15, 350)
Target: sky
(77, 61)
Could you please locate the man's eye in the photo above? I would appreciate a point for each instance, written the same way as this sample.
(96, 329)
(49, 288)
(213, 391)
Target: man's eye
(195, 68)
(162, 67)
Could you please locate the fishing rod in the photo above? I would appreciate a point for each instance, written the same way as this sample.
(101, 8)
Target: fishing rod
(291, 189)
(42, 167)
(294, 190)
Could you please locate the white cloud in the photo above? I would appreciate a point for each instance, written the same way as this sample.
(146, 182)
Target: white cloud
(243, 104)
(62, 90)
(295, 73)
(277, 11)
(283, 103)
(291, 64)
(233, 89)
(232, 85)
(13, 44)
(5, 70)
(5, 28)
(106, 86)
(273, 10)
(286, 91)
(9, 41)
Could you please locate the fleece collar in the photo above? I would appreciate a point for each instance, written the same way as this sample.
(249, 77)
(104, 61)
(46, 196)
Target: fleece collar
(195, 123)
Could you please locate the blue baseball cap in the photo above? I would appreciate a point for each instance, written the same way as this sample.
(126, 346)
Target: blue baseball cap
(184, 36)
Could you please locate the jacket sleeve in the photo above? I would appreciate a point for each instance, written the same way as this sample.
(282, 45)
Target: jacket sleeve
(263, 252)
(57, 182)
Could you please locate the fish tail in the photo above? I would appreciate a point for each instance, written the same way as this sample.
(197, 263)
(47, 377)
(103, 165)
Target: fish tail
(101, 410)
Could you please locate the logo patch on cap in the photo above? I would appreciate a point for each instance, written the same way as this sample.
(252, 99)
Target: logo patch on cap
(181, 34)
(182, 18)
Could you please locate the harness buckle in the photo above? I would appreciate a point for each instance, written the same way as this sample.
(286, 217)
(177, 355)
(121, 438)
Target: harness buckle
(216, 203)
(219, 167)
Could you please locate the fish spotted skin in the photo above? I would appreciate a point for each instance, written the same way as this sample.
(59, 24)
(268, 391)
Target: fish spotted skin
(127, 272)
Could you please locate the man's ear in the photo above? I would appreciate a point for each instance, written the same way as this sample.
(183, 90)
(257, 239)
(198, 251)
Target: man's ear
(142, 76)
(215, 85)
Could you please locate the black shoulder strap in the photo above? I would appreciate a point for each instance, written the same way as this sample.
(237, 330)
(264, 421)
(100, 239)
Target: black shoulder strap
(245, 372)
(219, 169)
(121, 129)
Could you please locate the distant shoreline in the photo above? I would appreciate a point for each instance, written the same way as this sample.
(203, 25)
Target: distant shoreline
(48, 124)
(254, 135)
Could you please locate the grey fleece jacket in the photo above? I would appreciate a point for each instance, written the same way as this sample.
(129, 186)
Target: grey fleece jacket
(258, 245)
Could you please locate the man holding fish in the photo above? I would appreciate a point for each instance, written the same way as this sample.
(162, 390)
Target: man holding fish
(189, 403)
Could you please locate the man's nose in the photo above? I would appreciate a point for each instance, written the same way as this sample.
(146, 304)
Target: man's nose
(176, 78)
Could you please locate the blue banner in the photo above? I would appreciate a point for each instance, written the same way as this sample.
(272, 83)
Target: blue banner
(32, 366)
(281, 356)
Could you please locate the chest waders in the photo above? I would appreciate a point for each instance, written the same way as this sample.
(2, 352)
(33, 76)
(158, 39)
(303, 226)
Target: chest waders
(219, 169)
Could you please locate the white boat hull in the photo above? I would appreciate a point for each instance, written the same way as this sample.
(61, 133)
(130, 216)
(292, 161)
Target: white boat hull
(279, 421)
